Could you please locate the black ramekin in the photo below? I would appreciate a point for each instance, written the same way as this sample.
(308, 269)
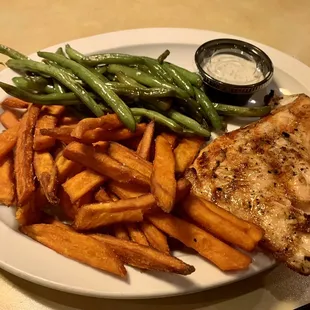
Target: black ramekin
(223, 92)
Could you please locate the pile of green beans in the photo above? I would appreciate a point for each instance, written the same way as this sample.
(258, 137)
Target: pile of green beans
(133, 87)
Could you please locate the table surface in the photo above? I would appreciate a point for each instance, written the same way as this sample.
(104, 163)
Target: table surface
(284, 24)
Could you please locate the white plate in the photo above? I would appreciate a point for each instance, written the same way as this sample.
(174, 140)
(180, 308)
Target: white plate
(34, 262)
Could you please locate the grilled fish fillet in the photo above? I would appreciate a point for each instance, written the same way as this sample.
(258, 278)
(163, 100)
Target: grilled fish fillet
(261, 173)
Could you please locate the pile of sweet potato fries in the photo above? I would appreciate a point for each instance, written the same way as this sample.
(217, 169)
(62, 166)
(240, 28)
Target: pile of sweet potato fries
(100, 194)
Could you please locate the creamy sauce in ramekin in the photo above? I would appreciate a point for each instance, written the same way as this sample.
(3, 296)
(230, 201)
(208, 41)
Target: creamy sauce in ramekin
(233, 69)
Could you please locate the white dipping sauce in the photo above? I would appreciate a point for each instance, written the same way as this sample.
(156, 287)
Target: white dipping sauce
(233, 69)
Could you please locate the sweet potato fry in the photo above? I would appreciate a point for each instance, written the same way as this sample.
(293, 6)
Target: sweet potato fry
(9, 119)
(120, 232)
(67, 127)
(46, 173)
(105, 122)
(57, 151)
(102, 196)
(163, 183)
(155, 237)
(81, 183)
(66, 168)
(15, 103)
(41, 142)
(218, 252)
(85, 221)
(101, 146)
(183, 189)
(255, 232)
(8, 140)
(135, 234)
(68, 120)
(130, 158)
(40, 199)
(131, 143)
(66, 242)
(125, 190)
(145, 145)
(91, 136)
(144, 257)
(24, 155)
(112, 196)
(215, 224)
(55, 110)
(51, 220)
(143, 203)
(100, 214)
(60, 133)
(30, 212)
(100, 134)
(7, 185)
(171, 138)
(69, 209)
(85, 200)
(186, 152)
(103, 164)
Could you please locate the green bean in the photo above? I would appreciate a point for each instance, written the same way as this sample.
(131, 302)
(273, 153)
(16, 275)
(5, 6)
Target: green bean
(61, 52)
(122, 78)
(74, 54)
(152, 107)
(178, 79)
(242, 111)
(138, 119)
(100, 76)
(194, 103)
(146, 79)
(101, 70)
(163, 56)
(111, 77)
(193, 113)
(54, 98)
(60, 76)
(112, 58)
(157, 70)
(193, 77)
(142, 68)
(158, 118)
(67, 71)
(155, 105)
(5, 50)
(188, 123)
(58, 87)
(49, 89)
(77, 56)
(208, 109)
(125, 59)
(95, 83)
(30, 83)
(192, 107)
(163, 105)
(131, 91)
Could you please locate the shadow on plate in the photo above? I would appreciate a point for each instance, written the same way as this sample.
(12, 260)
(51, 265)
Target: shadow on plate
(287, 285)
(65, 301)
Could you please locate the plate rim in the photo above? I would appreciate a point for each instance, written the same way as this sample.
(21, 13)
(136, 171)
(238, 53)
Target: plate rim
(132, 37)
